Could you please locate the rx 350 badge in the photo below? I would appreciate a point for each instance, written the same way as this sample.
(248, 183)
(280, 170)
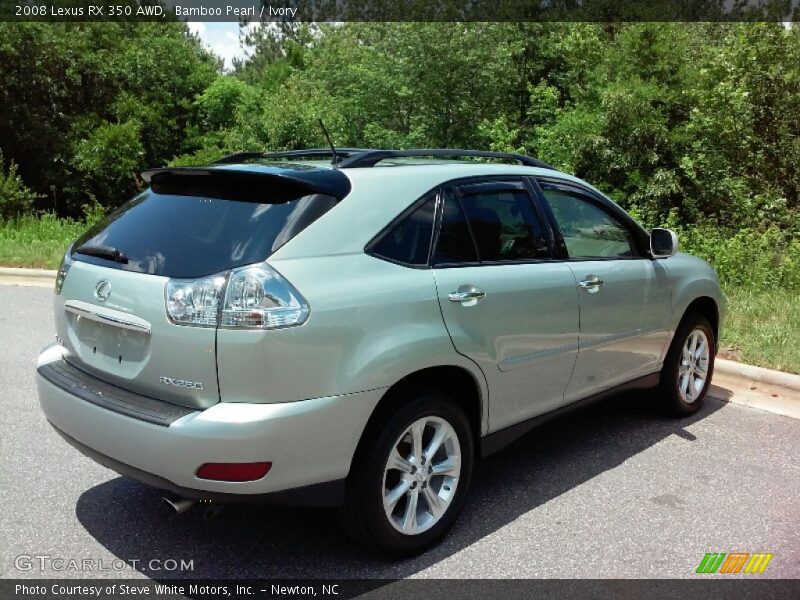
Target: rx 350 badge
(182, 383)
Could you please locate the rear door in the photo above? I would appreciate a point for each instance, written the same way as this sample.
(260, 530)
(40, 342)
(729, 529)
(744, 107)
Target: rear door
(506, 304)
(625, 307)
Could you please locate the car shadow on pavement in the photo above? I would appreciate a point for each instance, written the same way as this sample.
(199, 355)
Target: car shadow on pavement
(252, 541)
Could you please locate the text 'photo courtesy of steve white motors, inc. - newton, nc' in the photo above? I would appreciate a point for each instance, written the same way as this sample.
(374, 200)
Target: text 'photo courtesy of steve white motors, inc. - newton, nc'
(261, 11)
(193, 590)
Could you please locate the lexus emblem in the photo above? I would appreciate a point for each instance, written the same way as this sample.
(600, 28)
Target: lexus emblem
(102, 290)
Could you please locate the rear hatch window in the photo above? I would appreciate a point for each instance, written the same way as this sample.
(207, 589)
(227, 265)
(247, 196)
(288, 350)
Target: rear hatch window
(191, 226)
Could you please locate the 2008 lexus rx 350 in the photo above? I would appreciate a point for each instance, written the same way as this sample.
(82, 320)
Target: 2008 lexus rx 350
(276, 327)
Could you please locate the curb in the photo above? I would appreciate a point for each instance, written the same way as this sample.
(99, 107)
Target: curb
(778, 378)
(27, 273)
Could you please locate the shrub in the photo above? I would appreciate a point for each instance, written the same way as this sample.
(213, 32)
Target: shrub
(756, 260)
(203, 156)
(109, 160)
(93, 213)
(15, 198)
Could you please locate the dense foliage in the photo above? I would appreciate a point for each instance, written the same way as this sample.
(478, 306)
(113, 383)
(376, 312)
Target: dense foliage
(85, 107)
(701, 119)
(694, 125)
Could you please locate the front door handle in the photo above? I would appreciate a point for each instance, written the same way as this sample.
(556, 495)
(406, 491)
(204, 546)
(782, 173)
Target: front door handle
(467, 296)
(591, 284)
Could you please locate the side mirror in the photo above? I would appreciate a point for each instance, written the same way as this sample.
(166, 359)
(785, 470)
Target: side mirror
(663, 243)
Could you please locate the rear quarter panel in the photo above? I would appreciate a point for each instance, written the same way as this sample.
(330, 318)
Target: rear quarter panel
(371, 324)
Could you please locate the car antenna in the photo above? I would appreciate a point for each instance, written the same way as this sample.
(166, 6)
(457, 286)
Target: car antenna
(335, 158)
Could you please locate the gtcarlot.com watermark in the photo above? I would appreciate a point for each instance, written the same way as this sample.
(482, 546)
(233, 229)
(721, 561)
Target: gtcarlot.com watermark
(46, 562)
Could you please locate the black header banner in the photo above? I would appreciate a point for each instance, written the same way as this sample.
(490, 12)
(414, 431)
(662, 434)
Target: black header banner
(399, 10)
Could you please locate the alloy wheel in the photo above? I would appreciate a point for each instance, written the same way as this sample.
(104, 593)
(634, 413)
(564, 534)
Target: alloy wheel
(693, 368)
(421, 475)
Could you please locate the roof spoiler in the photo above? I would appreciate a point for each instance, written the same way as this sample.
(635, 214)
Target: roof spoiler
(252, 182)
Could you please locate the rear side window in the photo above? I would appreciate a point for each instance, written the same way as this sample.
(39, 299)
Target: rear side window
(505, 226)
(192, 235)
(409, 241)
(491, 226)
(454, 244)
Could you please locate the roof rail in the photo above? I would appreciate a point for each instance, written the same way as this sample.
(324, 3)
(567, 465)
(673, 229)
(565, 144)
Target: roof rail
(308, 153)
(365, 157)
(369, 158)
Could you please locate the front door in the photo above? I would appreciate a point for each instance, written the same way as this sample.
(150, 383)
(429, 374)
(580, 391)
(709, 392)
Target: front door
(624, 297)
(506, 304)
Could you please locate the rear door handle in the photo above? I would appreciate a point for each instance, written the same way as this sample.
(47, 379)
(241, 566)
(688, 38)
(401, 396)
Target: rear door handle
(467, 296)
(591, 284)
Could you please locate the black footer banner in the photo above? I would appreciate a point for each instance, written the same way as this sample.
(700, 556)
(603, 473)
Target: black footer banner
(429, 589)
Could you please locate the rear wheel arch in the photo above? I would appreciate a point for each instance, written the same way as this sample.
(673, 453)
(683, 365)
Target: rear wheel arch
(455, 382)
(392, 462)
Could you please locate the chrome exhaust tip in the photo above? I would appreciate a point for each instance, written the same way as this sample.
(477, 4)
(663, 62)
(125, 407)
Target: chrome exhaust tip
(179, 505)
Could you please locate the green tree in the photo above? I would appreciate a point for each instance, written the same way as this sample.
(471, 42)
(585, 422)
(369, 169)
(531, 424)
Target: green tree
(109, 160)
(744, 129)
(63, 84)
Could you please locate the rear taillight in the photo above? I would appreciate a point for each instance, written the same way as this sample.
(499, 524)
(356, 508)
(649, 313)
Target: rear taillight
(234, 471)
(195, 302)
(63, 269)
(252, 297)
(258, 297)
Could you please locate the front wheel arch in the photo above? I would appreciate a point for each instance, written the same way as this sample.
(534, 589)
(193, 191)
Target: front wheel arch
(670, 396)
(707, 307)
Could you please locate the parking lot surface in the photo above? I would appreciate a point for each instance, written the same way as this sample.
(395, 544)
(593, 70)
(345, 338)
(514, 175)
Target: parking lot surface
(615, 490)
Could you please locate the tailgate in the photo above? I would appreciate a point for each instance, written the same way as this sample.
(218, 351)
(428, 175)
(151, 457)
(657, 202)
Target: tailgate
(127, 339)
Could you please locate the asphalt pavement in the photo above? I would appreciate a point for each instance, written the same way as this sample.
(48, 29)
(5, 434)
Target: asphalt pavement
(615, 490)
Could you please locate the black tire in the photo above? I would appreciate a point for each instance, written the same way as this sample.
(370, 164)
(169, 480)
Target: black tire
(363, 516)
(673, 400)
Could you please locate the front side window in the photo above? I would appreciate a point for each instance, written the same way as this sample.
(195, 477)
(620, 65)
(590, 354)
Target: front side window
(588, 230)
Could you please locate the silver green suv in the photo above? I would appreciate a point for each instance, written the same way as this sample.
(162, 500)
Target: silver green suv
(358, 332)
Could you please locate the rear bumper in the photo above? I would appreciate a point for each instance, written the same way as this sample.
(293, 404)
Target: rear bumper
(309, 442)
(330, 493)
